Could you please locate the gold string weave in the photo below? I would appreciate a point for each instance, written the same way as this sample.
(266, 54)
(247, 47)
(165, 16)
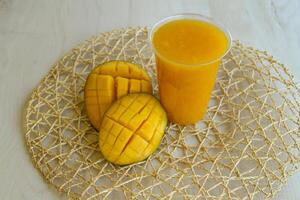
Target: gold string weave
(245, 148)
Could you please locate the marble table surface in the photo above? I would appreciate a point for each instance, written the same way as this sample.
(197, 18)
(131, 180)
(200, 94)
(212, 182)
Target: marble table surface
(35, 33)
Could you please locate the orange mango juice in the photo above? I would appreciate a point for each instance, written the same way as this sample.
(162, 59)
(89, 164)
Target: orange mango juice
(188, 54)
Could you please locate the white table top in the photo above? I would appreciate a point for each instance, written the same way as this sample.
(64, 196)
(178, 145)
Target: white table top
(35, 33)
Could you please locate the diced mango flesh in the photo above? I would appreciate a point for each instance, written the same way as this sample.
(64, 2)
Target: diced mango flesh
(134, 134)
(109, 82)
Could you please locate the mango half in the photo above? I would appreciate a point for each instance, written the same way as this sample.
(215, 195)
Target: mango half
(110, 81)
(132, 129)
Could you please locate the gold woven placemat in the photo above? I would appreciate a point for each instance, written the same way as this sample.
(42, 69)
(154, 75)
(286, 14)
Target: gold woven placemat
(245, 148)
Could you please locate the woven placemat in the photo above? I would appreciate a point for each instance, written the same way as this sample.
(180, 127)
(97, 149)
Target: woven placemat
(245, 148)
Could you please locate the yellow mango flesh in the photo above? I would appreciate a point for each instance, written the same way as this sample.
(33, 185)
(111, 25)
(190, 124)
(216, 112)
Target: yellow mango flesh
(132, 129)
(110, 81)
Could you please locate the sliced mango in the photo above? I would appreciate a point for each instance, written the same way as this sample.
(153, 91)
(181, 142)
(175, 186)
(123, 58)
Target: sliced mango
(109, 82)
(136, 133)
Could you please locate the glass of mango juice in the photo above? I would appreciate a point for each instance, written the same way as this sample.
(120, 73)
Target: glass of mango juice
(188, 50)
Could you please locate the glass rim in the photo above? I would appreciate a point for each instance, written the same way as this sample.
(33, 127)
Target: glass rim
(196, 17)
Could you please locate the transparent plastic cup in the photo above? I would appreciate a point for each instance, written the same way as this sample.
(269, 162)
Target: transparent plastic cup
(185, 89)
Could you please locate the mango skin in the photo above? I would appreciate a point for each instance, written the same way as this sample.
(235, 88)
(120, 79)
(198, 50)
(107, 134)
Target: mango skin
(109, 82)
(132, 129)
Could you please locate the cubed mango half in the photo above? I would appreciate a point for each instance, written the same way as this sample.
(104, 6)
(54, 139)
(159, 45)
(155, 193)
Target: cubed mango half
(109, 82)
(132, 129)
